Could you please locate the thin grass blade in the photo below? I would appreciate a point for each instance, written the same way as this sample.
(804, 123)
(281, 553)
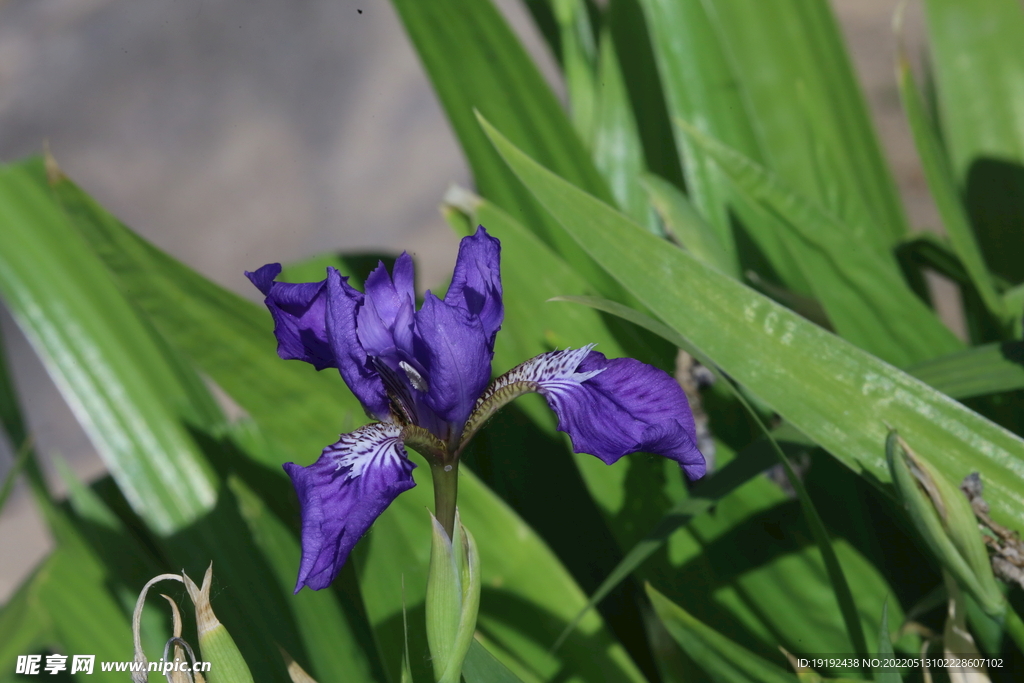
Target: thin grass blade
(978, 69)
(943, 189)
(721, 658)
(793, 52)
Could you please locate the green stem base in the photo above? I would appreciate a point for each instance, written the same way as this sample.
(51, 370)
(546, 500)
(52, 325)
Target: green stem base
(446, 490)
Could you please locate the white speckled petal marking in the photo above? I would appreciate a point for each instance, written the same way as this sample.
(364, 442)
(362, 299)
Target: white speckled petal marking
(376, 446)
(555, 370)
(549, 371)
(343, 492)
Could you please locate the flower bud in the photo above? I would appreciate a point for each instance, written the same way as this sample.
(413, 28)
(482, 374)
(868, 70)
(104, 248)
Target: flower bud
(943, 517)
(453, 599)
(215, 643)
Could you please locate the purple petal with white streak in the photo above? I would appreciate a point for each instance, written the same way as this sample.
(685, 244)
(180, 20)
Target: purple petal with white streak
(342, 493)
(613, 407)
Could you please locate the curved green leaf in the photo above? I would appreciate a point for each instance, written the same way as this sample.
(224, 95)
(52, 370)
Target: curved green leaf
(578, 46)
(106, 364)
(689, 228)
(838, 395)
(986, 369)
(943, 189)
(701, 86)
(634, 50)
(222, 333)
(808, 110)
(723, 659)
(979, 78)
(616, 147)
(861, 289)
(475, 61)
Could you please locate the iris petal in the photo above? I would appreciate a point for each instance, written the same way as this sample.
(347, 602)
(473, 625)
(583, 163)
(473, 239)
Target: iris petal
(404, 277)
(389, 295)
(372, 329)
(453, 349)
(298, 312)
(476, 282)
(343, 492)
(611, 407)
(343, 301)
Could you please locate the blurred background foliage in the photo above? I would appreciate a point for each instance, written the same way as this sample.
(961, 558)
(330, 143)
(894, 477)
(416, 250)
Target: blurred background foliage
(711, 182)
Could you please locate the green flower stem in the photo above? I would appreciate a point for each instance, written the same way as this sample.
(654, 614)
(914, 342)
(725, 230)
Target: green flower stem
(446, 490)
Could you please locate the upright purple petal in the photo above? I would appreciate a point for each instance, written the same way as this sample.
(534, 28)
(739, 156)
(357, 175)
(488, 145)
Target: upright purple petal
(386, 297)
(613, 407)
(342, 493)
(299, 317)
(454, 350)
(476, 282)
(372, 328)
(343, 303)
(403, 334)
(404, 277)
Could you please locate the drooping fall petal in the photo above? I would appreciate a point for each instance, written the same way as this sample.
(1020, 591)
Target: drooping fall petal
(609, 408)
(343, 492)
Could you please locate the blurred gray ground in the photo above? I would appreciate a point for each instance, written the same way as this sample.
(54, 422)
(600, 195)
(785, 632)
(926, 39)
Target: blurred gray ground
(235, 133)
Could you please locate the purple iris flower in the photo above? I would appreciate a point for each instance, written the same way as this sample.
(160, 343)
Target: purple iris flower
(425, 377)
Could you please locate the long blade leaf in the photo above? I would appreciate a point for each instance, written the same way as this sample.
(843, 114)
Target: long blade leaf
(792, 52)
(861, 289)
(701, 86)
(986, 369)
(943, 188)
(979, 78)
(104, 361)
(835, 393)
(474, 60)
(725, 660)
